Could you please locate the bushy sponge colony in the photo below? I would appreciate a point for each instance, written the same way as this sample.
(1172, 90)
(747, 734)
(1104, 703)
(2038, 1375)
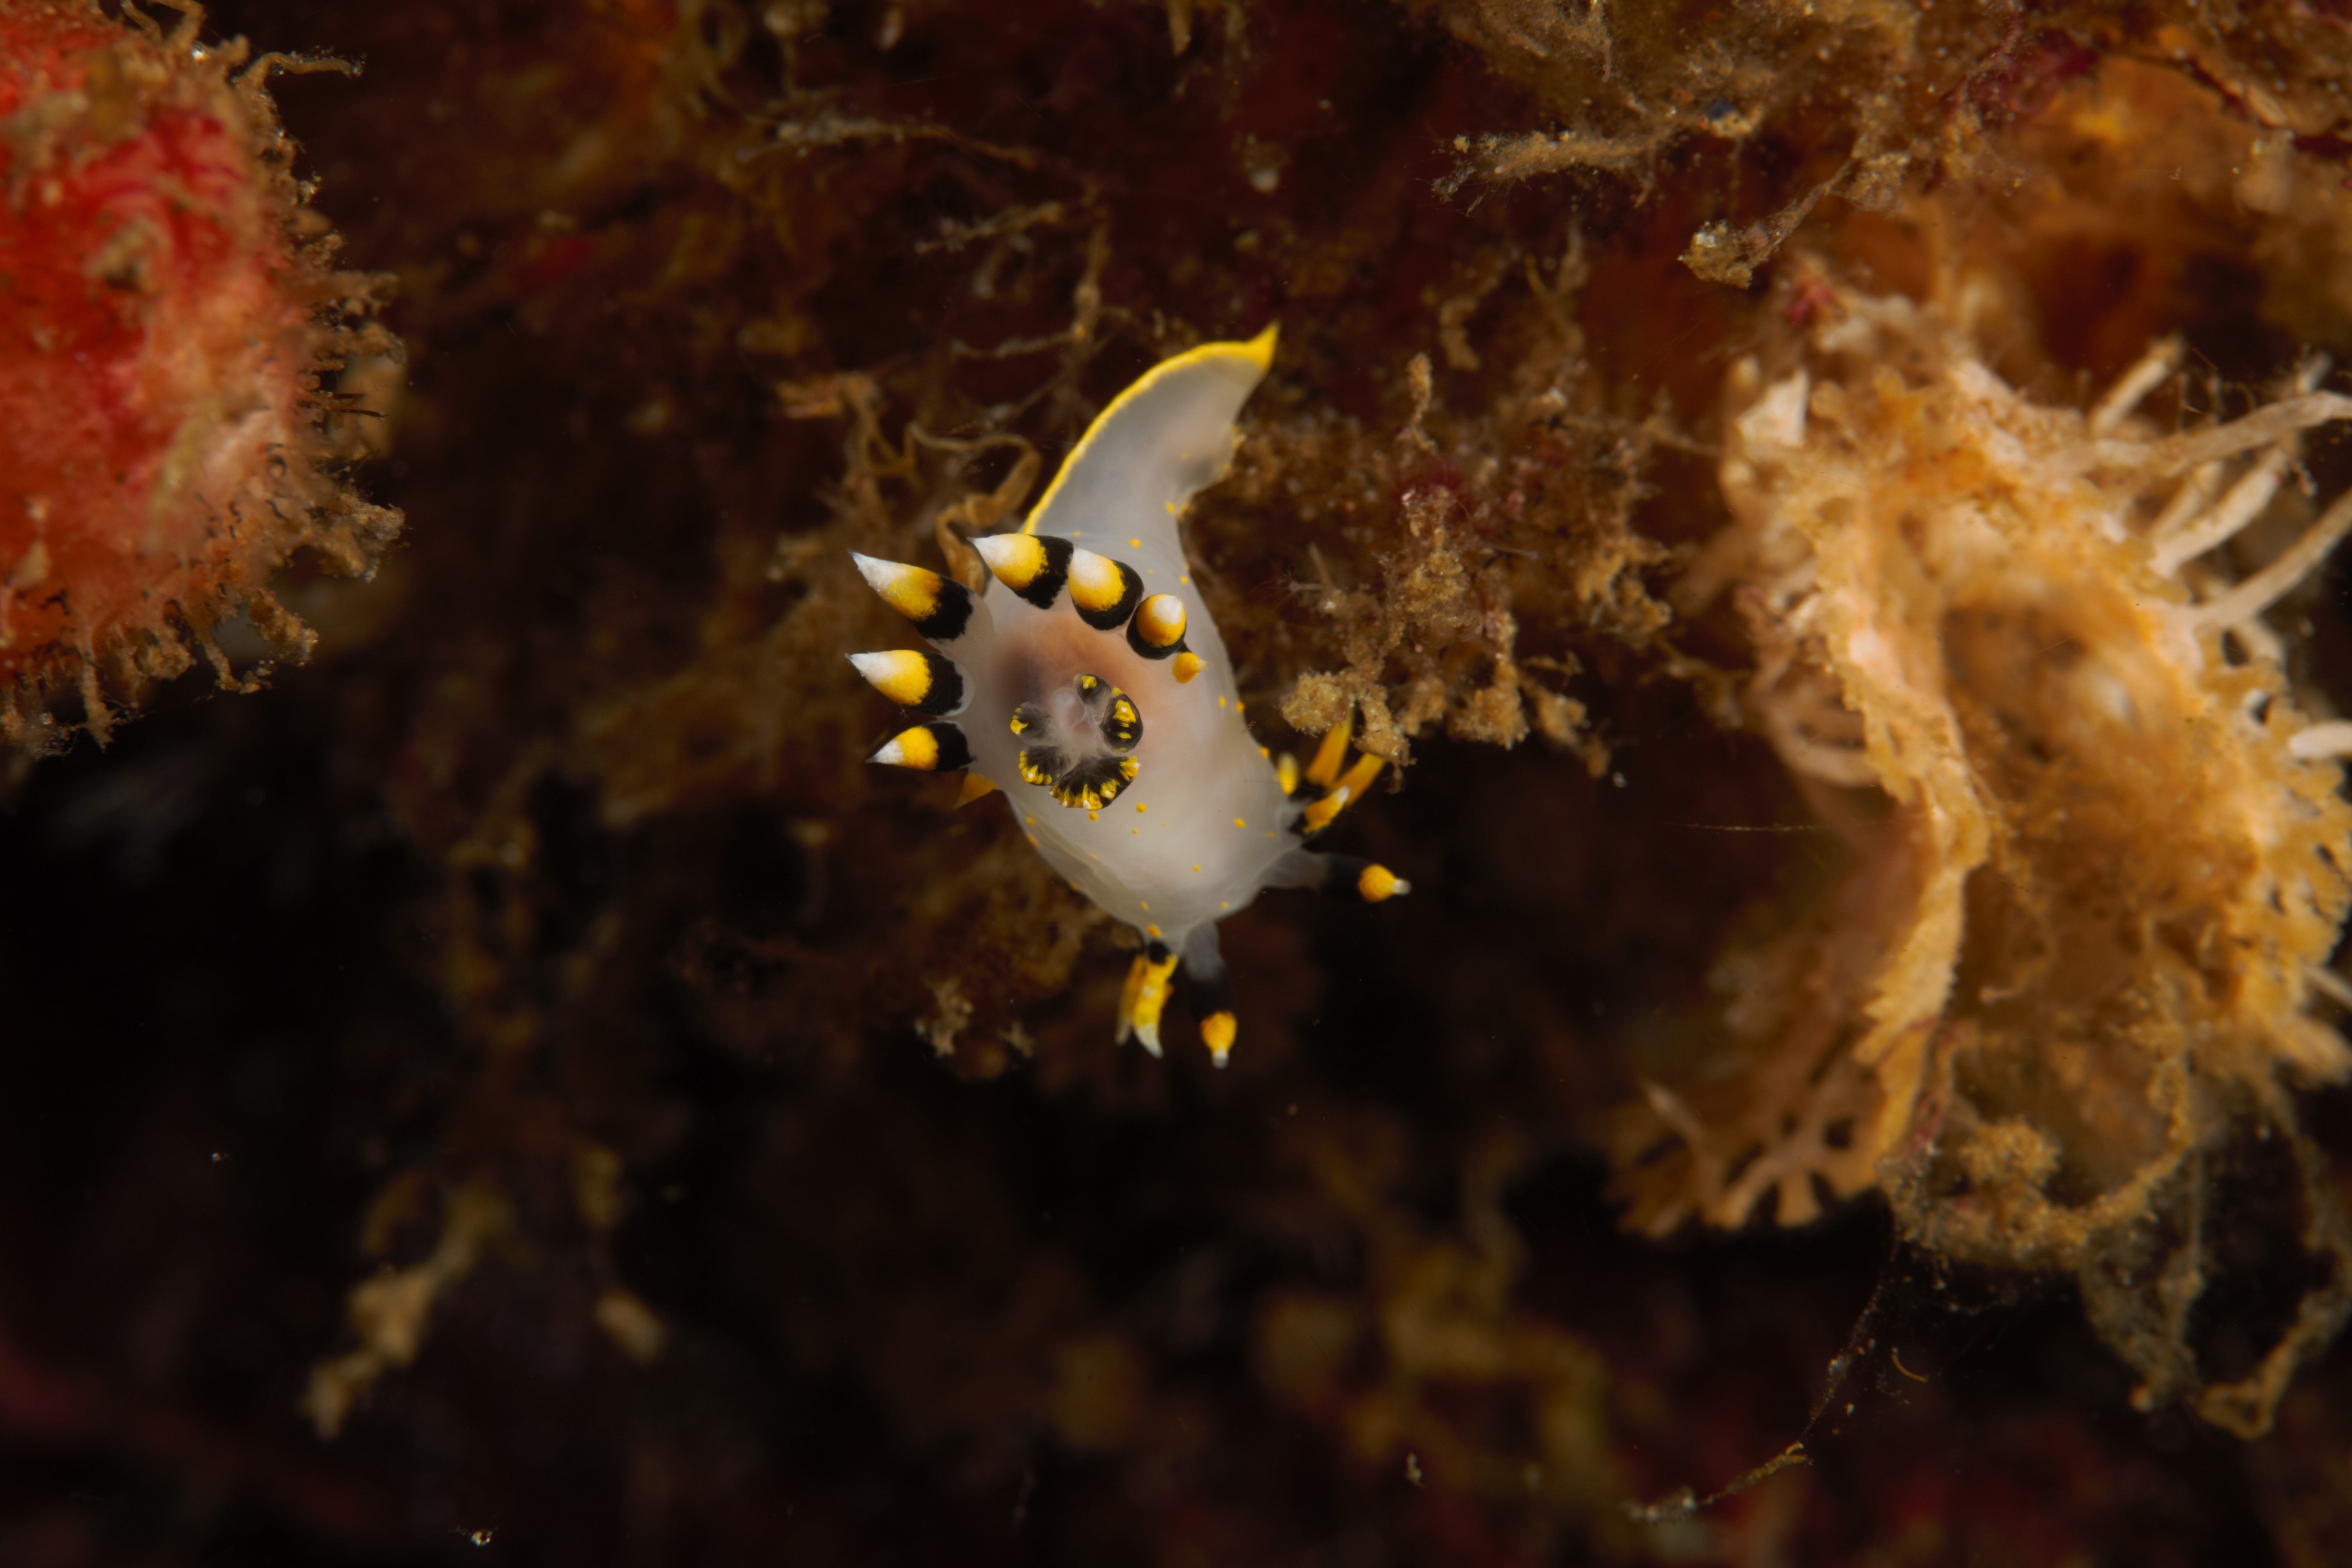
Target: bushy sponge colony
(166, 313)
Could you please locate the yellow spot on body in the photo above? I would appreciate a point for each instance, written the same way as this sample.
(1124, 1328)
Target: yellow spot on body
(1220, 703)
(1239, 823)
(1030, 820)
(1137, 543)
(1140, 808)
(1094, 816)
(1196, 868)
(1151, 930)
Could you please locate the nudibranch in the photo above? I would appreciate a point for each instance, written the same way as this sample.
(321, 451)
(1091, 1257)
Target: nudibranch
(1088, 682)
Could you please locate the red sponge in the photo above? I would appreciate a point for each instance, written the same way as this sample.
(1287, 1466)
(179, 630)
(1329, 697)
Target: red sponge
(166, 312)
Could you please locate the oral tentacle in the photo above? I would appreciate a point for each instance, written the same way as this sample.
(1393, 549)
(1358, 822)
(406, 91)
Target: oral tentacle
(1076, 746)
(1121, 724)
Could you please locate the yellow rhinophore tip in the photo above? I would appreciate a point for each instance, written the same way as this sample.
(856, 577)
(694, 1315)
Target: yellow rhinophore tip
(1318, 816)
(1189, 665)
(1217, 1031)
(975, 787)
(1324, 771)
(1377, 883)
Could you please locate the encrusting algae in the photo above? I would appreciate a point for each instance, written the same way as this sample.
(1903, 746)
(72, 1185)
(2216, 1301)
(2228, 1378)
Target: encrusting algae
(2098, 844)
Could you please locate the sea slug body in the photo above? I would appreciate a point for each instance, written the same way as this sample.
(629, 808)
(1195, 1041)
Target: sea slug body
(1088, 674)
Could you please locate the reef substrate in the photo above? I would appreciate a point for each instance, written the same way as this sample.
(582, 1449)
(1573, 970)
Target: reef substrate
(1739, 469)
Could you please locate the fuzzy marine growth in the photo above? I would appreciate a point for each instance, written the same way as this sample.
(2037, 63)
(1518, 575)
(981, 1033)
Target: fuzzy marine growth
(1097, 682)
(166, 313)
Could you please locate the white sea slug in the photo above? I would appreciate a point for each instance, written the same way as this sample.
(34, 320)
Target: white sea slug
(1093, 688)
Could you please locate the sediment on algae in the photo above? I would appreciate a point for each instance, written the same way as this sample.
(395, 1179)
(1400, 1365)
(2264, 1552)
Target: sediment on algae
(167, 439)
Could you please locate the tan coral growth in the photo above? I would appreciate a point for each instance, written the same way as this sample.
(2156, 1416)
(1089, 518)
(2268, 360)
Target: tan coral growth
(1514, 543)
(1854, 98)
(1436, 601)
(2096, 848)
